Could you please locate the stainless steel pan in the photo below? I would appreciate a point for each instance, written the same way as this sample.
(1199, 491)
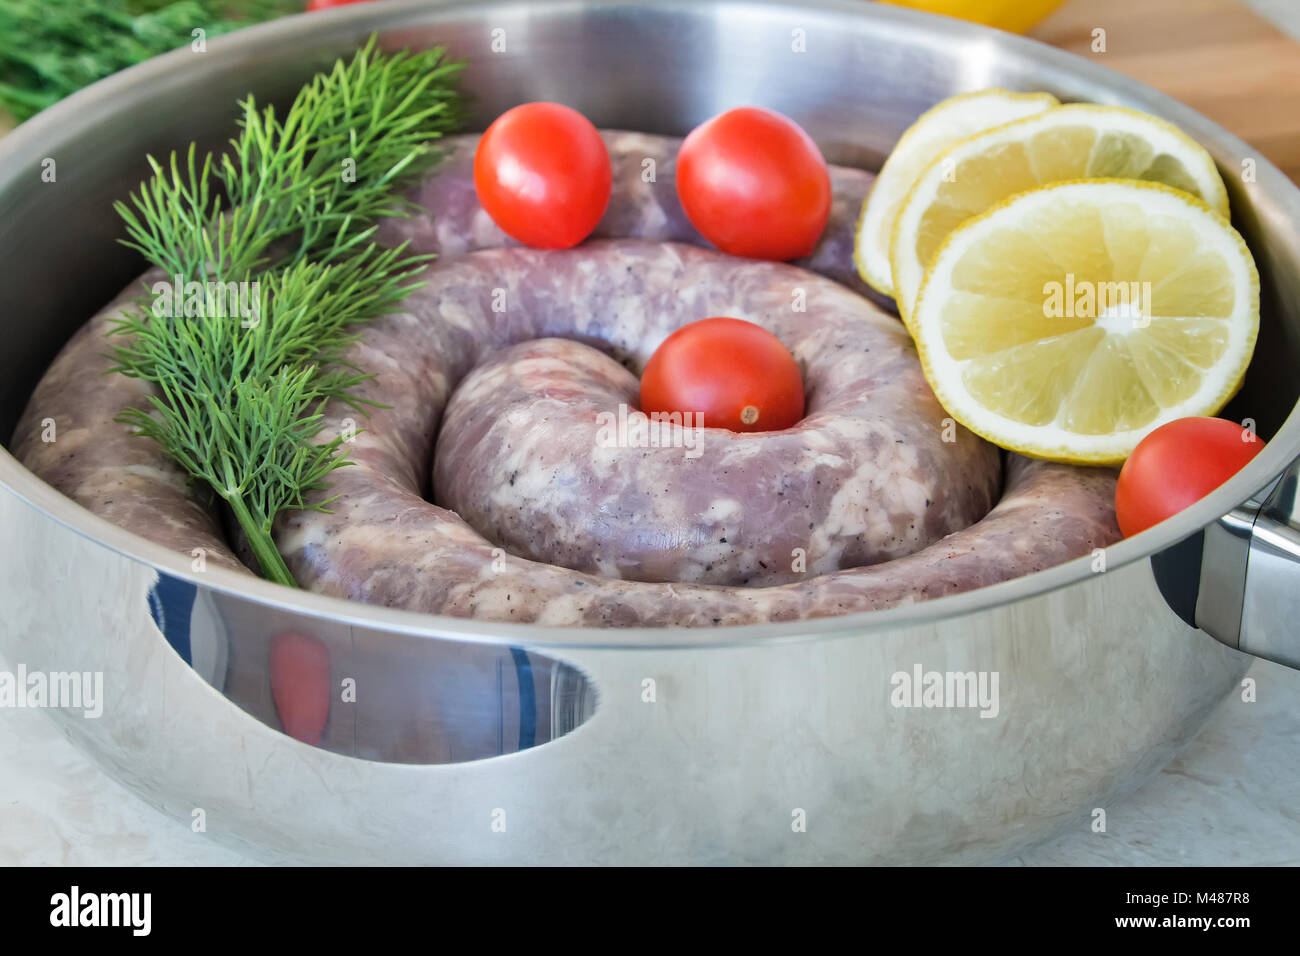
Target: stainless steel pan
(483, 742)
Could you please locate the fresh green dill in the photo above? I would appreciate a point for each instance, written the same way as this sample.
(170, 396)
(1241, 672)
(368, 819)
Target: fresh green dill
(49, 49)
(289, 209)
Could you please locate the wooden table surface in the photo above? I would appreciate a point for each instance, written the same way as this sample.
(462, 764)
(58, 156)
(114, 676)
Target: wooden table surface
(1217, 56)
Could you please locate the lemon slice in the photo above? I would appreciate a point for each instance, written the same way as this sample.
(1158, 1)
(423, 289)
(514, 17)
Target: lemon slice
(938, 128)
(1070, 142)
(1069, 321)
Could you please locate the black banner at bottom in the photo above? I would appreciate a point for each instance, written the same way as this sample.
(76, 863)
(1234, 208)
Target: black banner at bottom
(301, 905)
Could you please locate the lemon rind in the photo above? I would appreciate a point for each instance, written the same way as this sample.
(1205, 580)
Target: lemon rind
(882, 280)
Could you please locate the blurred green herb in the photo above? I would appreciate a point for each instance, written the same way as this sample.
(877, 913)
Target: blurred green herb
(239, 402)
(49, 49)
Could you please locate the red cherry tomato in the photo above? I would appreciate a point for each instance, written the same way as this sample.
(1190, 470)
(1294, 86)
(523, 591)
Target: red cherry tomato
(1177, 465)
(738, 375)
(754, 184)
(326, 4)
(542, 173)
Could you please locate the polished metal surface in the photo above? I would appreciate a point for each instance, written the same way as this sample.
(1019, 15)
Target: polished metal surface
(1221, 586)
(408, 701)
(476, 742)
(1249, 590)
(1270, 623)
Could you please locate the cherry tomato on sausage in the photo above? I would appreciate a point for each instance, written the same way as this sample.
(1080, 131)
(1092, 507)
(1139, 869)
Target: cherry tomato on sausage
(754, 184)
(738, 375)
(1177, 465)
(542, 173)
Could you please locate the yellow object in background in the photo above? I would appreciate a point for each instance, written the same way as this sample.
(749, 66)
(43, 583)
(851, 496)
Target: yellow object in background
(1014, 15)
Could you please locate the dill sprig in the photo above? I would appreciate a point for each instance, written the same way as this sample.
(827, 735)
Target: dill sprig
(289, 210)
(49, 49)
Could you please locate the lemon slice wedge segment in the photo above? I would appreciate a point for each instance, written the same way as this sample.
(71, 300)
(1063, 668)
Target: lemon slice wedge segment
(933, 132)
(1070, 142)
(1069, 321)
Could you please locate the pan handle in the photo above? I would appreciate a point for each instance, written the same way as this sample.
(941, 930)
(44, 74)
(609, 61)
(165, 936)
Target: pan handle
(1248, 588)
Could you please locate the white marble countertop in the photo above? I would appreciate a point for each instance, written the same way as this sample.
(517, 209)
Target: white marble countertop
(1231, 798)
